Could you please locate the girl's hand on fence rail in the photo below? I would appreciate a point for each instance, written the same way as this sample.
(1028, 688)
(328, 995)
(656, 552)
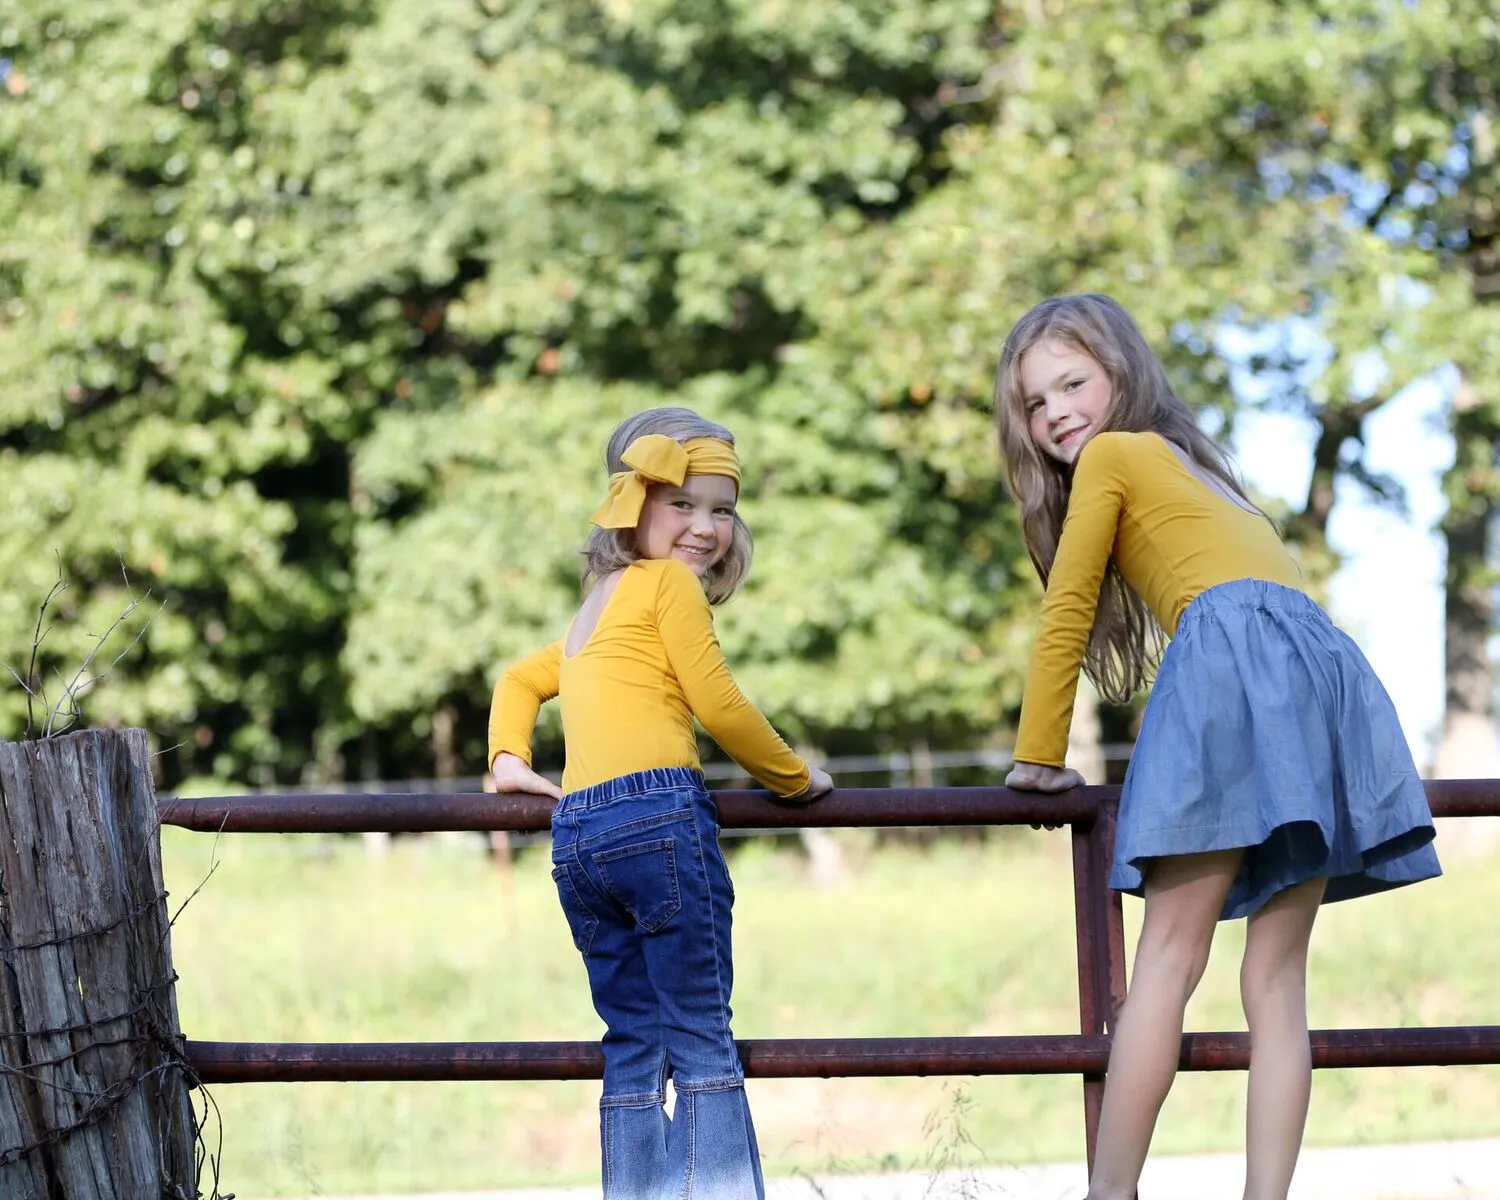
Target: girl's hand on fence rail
(819, 783)
(1033, 777)
(513, 775)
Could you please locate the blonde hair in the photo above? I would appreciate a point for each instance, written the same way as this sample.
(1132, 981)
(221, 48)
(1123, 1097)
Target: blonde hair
(1126, 641)
(610, 549)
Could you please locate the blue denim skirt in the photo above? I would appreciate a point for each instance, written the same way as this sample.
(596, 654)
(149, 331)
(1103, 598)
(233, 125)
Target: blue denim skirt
(1267, 729)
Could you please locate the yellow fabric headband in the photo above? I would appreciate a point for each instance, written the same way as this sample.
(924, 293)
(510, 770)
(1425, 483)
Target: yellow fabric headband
(659, 459)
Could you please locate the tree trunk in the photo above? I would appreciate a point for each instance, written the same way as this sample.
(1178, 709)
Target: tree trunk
(445, 762)
(444, 757)
(1308, 529)
(377, 843)
(827, 864)
(1335, 427)
(1468, 747)
(94, 1101)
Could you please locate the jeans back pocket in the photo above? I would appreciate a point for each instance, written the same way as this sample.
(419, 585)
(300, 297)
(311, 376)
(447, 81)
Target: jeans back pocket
(642, 878)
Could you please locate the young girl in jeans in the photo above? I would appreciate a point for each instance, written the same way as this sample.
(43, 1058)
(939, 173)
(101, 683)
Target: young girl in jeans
(1270, 774)
(635, 845)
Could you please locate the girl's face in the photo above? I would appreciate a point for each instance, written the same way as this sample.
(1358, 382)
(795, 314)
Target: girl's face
(693, 523)
(1065, 394)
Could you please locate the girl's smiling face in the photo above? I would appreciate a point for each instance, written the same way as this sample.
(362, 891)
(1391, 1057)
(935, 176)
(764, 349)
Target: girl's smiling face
(1066, 395)
(693, 523)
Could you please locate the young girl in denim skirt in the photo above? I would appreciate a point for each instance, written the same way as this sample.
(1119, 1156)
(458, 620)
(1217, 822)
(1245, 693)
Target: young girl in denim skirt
(1270, 774)
(635, 846)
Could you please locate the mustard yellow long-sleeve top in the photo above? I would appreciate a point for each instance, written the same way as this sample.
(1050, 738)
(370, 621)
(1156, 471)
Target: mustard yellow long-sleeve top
(1173, 537)
(630, 694)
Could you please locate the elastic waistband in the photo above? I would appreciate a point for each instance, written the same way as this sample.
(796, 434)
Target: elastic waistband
(638, 783)
(1251, 593)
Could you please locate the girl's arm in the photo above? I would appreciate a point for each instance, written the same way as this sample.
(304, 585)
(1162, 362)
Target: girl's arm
(1088, 539)
(687, 631)
(519, 696)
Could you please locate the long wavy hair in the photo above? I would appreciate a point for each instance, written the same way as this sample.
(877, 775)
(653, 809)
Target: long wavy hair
(610, 549)
(1126, 642)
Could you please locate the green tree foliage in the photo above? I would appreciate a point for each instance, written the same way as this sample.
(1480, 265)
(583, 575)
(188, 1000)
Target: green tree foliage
(1385, 117)
(453, 246)
(614, 206)
(156, 415)
(314, 317)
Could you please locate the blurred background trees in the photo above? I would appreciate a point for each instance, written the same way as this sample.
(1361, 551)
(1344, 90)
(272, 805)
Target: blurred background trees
(314, 317)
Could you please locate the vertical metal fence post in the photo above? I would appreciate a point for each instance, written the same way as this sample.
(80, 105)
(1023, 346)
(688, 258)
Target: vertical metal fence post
(1112, 949)
(1100, 922)
(1092, 987)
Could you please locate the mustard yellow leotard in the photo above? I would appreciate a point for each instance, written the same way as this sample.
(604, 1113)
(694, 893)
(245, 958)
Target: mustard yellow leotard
(1173, 537)
(630, 694)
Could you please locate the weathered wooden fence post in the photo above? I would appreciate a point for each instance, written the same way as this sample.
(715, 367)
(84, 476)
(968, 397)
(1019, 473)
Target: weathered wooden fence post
(94, 1096)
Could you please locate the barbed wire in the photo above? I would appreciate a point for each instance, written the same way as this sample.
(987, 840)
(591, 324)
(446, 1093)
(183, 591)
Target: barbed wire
(97, 931)
(157, 1051)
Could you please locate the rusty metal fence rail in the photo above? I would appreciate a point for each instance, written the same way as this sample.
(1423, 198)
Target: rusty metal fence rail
(1100, 936)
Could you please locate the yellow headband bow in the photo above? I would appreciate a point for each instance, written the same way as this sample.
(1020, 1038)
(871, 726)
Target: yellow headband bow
(659, 459)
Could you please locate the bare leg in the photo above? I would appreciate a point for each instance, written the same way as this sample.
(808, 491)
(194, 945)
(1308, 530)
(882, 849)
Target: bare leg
(1273, 987)
(1184, 897)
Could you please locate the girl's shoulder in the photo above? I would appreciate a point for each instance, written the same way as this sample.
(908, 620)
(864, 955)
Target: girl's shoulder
(1119, 450)
(639, 571)
(664, 574)
(629, 597)
(1124, 443)
(649, 568)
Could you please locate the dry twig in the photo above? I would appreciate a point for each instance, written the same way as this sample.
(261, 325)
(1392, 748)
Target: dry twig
(66, 711)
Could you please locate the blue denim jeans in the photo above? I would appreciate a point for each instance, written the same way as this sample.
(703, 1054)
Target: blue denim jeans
(647, 896)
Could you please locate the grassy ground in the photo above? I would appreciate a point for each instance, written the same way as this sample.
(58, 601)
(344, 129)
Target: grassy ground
(314, 939)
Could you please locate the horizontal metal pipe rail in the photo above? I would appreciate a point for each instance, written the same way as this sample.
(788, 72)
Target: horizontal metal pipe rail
(1089, 812)
(816, 1058)
(416, 812)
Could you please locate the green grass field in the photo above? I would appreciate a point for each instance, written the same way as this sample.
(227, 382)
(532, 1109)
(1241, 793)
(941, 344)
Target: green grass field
(314, 939)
